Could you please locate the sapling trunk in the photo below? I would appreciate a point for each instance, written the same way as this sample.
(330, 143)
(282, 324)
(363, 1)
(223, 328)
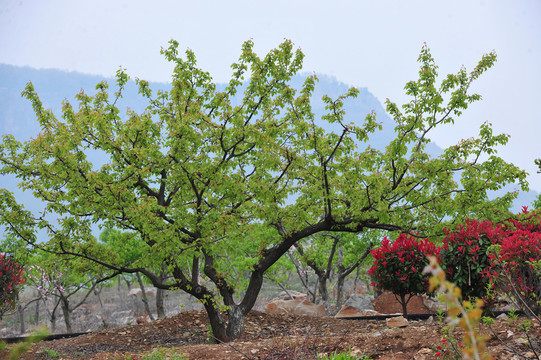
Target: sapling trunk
(20, 311)
(160, 303)
(64, 304)
(144, 297)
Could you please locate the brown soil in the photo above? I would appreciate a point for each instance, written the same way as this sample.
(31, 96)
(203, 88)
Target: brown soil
(271, 337)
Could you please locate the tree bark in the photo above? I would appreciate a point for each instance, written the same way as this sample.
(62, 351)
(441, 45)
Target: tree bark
(36, 311)
(20, 311)
(144, 297)
(64, 303)
(97, 292)
(52, 320)
(160, 303)
(339, 292)
(322, 281)
(404, 303)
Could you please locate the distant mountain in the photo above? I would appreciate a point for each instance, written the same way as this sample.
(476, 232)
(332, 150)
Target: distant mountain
(53, 86)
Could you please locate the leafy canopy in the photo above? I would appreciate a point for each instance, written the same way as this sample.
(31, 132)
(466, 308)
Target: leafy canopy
(200, 169)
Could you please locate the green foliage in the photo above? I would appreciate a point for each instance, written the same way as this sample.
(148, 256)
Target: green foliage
(160, 353)
(50, 353)
(347, 355)
(21, 348)
(440, 315)
(209, 178)
(513, 315)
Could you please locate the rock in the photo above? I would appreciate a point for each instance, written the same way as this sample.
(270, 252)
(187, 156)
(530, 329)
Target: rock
(127, 320)
(291, 295)
(386, 303)
(295, 307)
(397, 321)
(432, 304)
(4, 332)
(350, 311)
(360, 301)
(423, 354)
(505, 307)
(294, 303)
(357, 305)
(137, 292)
(502, 317)
(143, 319)
(395, 356)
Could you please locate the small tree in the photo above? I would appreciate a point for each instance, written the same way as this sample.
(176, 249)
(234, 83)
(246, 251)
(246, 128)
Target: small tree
(11, 277)
(332, 258)
(59, 280)
(398, 267)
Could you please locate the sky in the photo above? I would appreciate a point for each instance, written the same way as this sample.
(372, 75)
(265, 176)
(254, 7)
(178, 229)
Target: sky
(365, 43)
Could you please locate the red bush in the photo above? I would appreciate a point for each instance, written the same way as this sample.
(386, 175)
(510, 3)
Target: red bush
(517, 264)
(398, 267)
(464, 256)
(10, 278)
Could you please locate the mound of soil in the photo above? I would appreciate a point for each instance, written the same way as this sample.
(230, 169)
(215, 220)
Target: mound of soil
(271, 337)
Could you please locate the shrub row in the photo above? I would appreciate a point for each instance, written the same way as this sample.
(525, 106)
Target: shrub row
(480, 257)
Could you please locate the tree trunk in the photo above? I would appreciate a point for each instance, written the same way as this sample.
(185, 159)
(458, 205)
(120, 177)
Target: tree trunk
(144, 297)
(52, 320)
(235, 323)
(222, 331)
(160, 303)
(20, 311)
(404, 303)
(36, 311)
(97, 292)
(217, 323)
(322, 282)
(64, 303)
(339, 292)
(119, 292)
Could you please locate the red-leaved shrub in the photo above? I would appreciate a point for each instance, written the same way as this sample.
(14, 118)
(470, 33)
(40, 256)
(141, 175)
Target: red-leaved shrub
(464, 256)
(10, 278)
(398, 267)
(516, 266)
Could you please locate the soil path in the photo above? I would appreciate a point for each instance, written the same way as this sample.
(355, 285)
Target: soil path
(269, 337)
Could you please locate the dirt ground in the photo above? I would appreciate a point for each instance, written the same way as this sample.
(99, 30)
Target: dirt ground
(273, 337)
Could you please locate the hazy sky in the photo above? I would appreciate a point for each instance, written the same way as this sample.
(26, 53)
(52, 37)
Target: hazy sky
(373, 44)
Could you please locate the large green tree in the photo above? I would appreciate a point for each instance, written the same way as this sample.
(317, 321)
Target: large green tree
(201, 168)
